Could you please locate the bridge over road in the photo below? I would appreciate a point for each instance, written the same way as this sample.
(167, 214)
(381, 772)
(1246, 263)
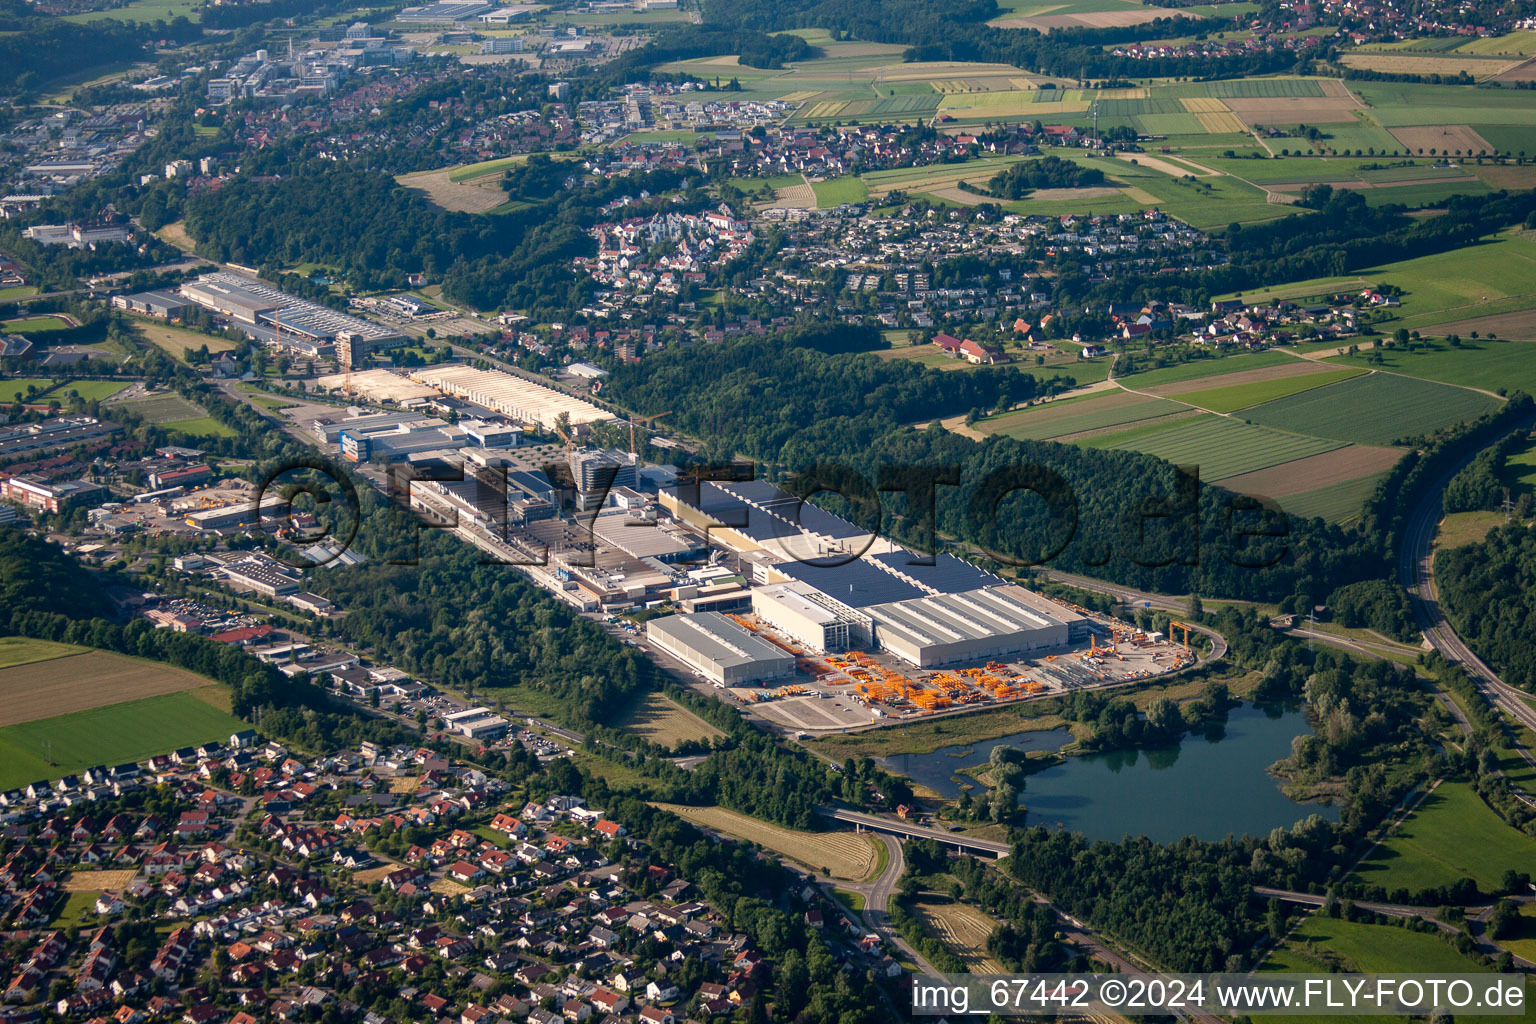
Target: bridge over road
(908, 830)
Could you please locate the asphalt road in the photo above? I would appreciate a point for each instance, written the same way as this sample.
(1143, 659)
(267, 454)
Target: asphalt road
(1415, 572)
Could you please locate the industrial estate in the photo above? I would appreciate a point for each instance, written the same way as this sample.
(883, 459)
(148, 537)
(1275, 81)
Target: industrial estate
(669, 511)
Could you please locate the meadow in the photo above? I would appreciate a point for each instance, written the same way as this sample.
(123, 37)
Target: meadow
(20, 650)
(1483, 363)
(850, 856)
(1399, 407)
(1452, 835)
(1198, 368)
(665, 722)
(113, 734)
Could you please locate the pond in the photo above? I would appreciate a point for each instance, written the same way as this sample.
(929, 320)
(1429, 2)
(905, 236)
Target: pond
(1206, 786)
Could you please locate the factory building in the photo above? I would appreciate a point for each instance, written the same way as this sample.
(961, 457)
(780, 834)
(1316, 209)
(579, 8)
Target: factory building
(513, 397)
(719, 650)
(273, 316)
(810, 617)
(976, 626)
(478, 724)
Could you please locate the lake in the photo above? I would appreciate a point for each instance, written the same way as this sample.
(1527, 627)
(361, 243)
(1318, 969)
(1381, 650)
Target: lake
(1206, 786)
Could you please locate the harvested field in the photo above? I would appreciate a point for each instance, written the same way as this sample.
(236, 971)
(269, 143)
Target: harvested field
(404, 783)
(845, 855)
(1140, 195)
(1158, 164)
(1289, 368)
(448, 887)
(666, 722)
(1093, 19)
(478, 195)
(1518, 326)
(80, 682)
(1204, 105)
(963, 929)
(793, 197)
(1221, 124)
(1058, 194)
(1315, 471)
(1525, 71)
(1294, 110)
(1442, 138)
(1428, 64)
(99, 881)
(958, 196)
(371, 875)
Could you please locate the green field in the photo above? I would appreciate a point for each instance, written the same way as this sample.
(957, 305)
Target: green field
(1241, 396)
(1452, 835)
(199, 426)
(90, 390)
(1092, 412)
(36, 325)
(1489, 365)
(1379, 408)
(1195, 369)
(1224, 447)
(15, 388)
(20, 650)
(144, 10)
(837, 191)
(132, 731)
(1337, 503)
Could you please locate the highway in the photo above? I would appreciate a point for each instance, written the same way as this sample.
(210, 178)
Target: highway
(1416, 573)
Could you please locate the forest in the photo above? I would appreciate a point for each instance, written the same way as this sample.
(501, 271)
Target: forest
(1112, 514)
(1019, 180)
(1488, 591)
(519, 259)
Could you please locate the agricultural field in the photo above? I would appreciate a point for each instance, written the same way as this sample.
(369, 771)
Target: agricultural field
(1224, 447)
(1154, 380)
(667, 723)
(1074, 416)
(173, 412)
(1484, 363)
(1452, 835)
(1297, 480)
(850, 856)
(963, 929)
(1400, 407)
(20, 650)
(468, 188)
(1267, 388)
(1321, 942)
(51, 747)
(57, 679)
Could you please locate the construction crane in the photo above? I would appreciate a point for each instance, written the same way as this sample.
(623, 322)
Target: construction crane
(1179, 625)
(641, 421)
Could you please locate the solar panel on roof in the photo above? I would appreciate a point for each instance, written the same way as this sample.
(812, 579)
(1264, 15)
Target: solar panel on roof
(948, 574)
(857, 584)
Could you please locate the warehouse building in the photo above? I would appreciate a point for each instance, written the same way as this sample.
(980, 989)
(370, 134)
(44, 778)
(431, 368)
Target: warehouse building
(513, 397)
(979, 625)
(719, 650)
